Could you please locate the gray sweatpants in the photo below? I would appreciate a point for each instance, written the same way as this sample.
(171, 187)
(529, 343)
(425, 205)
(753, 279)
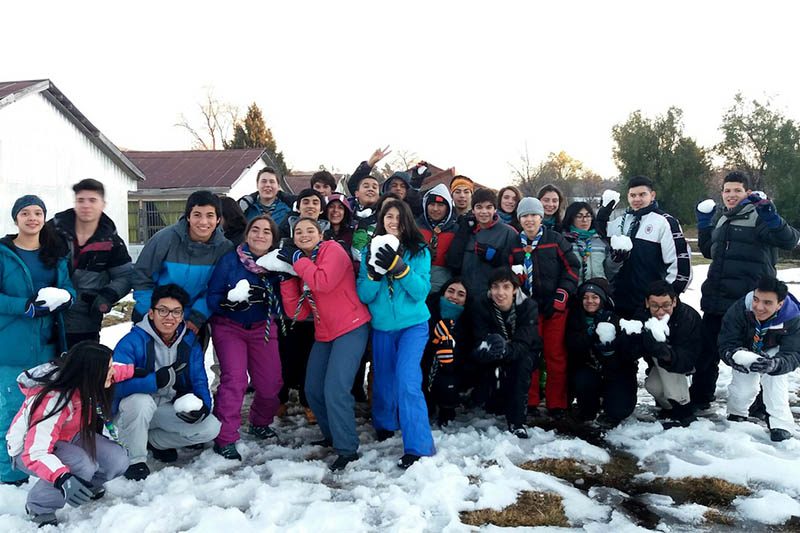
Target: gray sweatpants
(665, 386)
(144, 418)
(111, 461)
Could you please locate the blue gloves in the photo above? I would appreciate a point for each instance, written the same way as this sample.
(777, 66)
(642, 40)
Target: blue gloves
(766, 210)
(36, 308)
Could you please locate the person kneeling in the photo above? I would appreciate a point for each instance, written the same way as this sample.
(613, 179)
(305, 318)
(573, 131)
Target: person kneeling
(507, 345)
(54, 435)
(169, 352)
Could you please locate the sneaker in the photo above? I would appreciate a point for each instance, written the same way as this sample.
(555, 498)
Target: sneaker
(282, 409)
(407, 460)
(98, 492)
(262, 432)
(383, 434)
(342, 461)
(737, 418)
(519, 431)
(777, 434)
(43, 519)
(324, 442)
(170, 455)
(228, 451)
(137, 472)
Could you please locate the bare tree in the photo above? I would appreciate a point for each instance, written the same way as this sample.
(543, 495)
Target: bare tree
(211, 130)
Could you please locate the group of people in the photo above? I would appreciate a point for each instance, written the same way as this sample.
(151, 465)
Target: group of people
(454, 296)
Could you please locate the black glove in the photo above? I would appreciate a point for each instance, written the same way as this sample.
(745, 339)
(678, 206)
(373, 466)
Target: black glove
(390, 260)
(165, 376)
(257, 294)
(655, 349)
(605, 349)
(497, 346)
(546, 309)
(36, 308)
(76, 491)
(99, 303)
(140, 372)
(193, 417)
(234, 306)
(620, 256)
(373, 274)
(289, 253)
(136, 316)
(727, 357)
(765, 365)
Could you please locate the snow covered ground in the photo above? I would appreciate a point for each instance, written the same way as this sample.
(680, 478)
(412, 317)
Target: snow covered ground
(287, 486)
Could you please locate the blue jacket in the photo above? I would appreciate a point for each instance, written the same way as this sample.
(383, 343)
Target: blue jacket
(26, 342)
(281, 208)
(142, 347)
(170, 256)
(226, 275)
(397, 304)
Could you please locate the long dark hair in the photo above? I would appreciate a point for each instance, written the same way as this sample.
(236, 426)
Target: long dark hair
(410, 237)
(233, 219)
(52, 246)
(572, 211)
(552, 188)
(83, 370)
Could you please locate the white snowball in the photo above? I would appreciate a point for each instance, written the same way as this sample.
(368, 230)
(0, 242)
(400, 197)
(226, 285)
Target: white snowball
(364, 213)
(745, 358)
(706, 206)
(240, 292)
(659, 328)
(483, 346)
(610, 197)
(630, 326)
(606, 332)
(52, 296)
(271, 262)
(621, 242)
(378, 242)
(518, 269)
(760, 194)
(187, 403)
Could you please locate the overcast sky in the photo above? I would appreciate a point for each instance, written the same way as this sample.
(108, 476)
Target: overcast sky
(464, 84)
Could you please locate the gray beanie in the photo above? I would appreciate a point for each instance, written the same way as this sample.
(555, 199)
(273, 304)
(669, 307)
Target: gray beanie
(529, 206)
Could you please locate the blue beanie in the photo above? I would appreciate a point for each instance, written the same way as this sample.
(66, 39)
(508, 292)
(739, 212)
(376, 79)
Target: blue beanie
(25, 201)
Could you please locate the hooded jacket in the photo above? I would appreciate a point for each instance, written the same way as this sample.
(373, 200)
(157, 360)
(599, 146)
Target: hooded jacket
(345, 233)
(170, 256)
(101, 267)
(33, 439)
(445, 233)
(281, 207)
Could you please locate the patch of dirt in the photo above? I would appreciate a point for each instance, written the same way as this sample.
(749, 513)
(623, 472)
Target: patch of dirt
(531, 509)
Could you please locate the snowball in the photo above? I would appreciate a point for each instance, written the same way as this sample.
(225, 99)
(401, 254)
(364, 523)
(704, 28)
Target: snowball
(621, 242)
(364, 213)
(271, 262)
(378, 242)
(53, 297)
(240, 292)
(706, 206)
(518, 269)
(760, 194)
(421, 169)
(188, 403)
(610, 197)
(484, 346)
(745, 358)
(606, 332)
(630, 326)
(659, 328)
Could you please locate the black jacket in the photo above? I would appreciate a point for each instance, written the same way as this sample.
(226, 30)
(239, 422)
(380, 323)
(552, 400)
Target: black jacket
(524, 342)
(584, 348)
(684, 344)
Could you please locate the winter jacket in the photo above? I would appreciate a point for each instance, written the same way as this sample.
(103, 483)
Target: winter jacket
(781, 340)
(742, 248)
(684, 343)
(594, 255)
(445, 231)
(102, 267)
(331, 281)
(27, 342)
(33, 439)
(555, 266)
(143, 348)
(659, 252)
(464, 257)
(585, 349)
(279, 210)
(170, 256)
(398, 303)
(524, 342)
(228, 271)
(345, 233)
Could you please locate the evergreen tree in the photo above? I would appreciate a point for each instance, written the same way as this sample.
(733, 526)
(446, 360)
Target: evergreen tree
(252, 132)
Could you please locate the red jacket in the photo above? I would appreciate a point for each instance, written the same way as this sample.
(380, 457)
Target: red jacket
(333, 287)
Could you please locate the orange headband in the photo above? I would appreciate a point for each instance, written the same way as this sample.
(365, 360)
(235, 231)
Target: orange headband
(462, 182)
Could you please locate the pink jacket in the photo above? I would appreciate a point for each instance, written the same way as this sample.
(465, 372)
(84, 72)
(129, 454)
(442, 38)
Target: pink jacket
(333, 286)
(34, 442)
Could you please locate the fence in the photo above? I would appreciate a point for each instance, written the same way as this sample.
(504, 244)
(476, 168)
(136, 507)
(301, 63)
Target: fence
(146, 217)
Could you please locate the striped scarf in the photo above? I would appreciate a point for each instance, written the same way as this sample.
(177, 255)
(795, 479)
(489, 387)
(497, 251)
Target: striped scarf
(306, 294)
(509, 325)
(758, 337)
(583, 240)
(527, 262)
(434, 244)
(109, 425)
(273, 304)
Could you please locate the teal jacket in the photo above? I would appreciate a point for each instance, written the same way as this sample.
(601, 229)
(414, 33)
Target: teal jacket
(397, 303)
(26, 341)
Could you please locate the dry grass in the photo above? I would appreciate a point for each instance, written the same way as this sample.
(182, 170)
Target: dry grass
(126, 308)
(704, 490)
(531, 509)
(715, 516)
(566, 469)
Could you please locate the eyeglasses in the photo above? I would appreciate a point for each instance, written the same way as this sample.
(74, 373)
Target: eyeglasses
(664, 307)
(584, 216)
(163, 312)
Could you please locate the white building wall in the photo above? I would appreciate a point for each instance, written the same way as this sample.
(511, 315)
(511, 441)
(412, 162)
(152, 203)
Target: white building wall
(43, 153)
(246, 183)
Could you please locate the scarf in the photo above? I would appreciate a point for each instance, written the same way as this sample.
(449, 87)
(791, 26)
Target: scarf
(108, 424)
(306, 294)
(549, 222)
(273, 305)
(583, 240)
(759, 334)
(434, 244)
(508, 325)
(527, 262)
(508, 218)
(449, 310)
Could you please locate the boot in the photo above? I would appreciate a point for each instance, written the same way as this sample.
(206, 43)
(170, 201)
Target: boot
(683, 414)
(518, 430)
(170, 455)
(342, 461)
(777, 434)
(737, 418)
(262, 432)
(228, 451)
(137, 472)
(44, 519)
(383, 434)
(407, 460)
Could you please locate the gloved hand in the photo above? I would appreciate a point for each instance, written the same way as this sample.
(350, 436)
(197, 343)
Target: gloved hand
(36, 308)
(100, 302)
(705, 214)
(766, 211)
(76, 491)
(620, 256)
(391, 261)
(165, 376)
(604, 349)
(257, 294)
(289, 253)
(63, 307)
(765, 365)
(727, 357)
(609, 198)
(485, 252)
(193, 417)
(235, 306)
(497, 346)
(444, 342)
(560, 301)
(655, 349)
(467, 223)
(140, 372)
(546, 309)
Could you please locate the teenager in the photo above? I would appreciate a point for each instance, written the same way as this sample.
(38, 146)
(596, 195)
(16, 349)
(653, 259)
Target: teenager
(323, 182)
(310, 203)
(269, 199)
(324, 290)
(100, 267)
(340, 217)
(461, 189)
(396, 301)
(245, 334)
(438, 226)
(594, 252)
(363, 205)
(507, 200)
(553, 202)
(30, 332)
(54, 435)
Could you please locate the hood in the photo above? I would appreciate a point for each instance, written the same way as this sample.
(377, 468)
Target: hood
(788, 311)
(65, 223)
(147, 326)
(405, 176)
(32, 380)
(444, 192)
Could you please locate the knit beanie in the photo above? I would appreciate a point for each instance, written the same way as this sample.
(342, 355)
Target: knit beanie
(598, 286)
(530, 206)
(25, 201)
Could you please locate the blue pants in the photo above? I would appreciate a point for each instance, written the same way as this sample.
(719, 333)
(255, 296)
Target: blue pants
(10, 401)
(332, 366)
(397, 399)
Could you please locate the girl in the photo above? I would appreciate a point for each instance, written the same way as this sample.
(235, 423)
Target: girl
(54, 435)
(507, 200)
(593, 251)
(325, 290)
(30, 332)
(552, 200)
(340, 216)
(245, 336)
(400, 330)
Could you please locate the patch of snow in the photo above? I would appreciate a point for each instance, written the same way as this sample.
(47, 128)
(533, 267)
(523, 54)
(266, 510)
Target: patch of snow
(706, 206)
(271, 262)
(745, 358)
(630, 327)
(609, 197)
(768, 507)
(376, 244)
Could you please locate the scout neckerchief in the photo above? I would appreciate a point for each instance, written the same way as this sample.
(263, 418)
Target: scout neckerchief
(527, 262)
(273, 305)
(306, 295)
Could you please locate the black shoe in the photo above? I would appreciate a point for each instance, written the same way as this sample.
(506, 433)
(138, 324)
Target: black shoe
(137, 472)
(557, 414)
(170, 455)
(445, 416)
(324, 442)
(737, 418)
(98, 492)
(342, 461)
(699, 407)
(519, 431)
(606, 422)
(44, 519)
(407, 460)
(201, 446)
(262, 432)
(228, 451)
(777, 434)
(383, 434)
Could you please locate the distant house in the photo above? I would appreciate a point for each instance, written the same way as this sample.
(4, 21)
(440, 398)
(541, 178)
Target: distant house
(47, 145)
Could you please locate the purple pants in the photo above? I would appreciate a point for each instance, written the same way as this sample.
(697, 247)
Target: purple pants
(241, 352)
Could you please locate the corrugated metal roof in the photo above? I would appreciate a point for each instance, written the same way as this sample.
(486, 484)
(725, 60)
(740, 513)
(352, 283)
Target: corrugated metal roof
(11, 87)
(194, 168)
